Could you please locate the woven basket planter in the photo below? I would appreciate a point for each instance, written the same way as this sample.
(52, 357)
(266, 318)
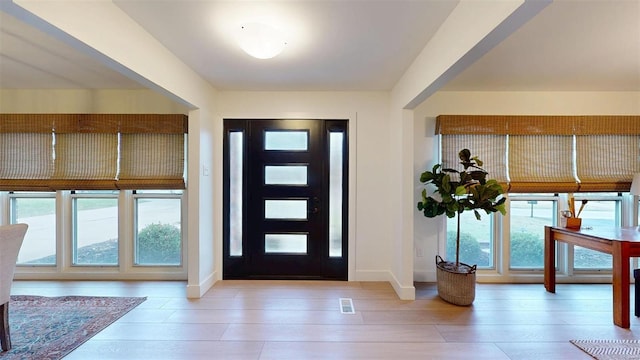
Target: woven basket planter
(458, 288)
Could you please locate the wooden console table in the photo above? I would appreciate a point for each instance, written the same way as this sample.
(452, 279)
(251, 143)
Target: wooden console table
(621, 243)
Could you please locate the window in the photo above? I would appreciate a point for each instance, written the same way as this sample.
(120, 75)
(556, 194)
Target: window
(236, 189)
(528, 215)
(119, 233)
(539, 161)
(38, 210)
(95, 228)
(601, 210)
(76, 179)
(336, 192)
(476, 240)
(158, 221)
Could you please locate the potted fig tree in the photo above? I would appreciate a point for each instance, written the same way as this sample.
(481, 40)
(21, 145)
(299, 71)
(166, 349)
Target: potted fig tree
(457, 191)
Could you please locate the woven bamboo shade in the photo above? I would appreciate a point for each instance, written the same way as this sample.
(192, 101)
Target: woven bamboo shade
(152, 152)
(491, 149)
(26, 123)
(27, 159)
(472, 125)
(540, 163)
(607, 161)
(85, 161)
(153, 124)
(553, 153)
(26, 152)
(152, 161)
(607, 152)
(86, 123)
(607, 125)
(81, 151)
(541, 125)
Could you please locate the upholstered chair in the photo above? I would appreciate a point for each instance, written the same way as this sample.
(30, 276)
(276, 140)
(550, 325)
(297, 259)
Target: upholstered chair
(11, 237)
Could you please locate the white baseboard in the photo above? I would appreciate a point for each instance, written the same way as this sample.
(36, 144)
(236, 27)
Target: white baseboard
(404, 292)
(197, 291)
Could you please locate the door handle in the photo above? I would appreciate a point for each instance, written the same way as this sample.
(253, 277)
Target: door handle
(315, 205)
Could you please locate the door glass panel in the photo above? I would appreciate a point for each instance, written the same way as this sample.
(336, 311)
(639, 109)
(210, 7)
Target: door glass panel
(285, 243)
(236, 165)
(285, 209)
(286, 140)
(285, 175)
(335, 194)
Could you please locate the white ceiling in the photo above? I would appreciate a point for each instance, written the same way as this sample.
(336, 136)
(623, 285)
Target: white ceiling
(31, 59)
(572, 45)
(347, 45)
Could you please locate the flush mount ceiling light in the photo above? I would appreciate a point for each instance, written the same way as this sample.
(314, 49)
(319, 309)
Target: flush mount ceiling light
(261, 41)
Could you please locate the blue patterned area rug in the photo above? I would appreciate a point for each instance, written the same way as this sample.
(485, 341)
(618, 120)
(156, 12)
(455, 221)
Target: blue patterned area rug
(610, 349)
(48, 328)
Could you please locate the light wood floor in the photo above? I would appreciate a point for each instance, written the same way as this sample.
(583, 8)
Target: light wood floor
(302, 320)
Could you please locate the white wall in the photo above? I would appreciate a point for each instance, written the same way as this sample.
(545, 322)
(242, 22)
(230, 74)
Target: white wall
(428, 232)
(87, 101)
(369, 220)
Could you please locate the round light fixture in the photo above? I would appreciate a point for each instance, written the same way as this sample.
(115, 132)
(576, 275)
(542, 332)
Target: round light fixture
(261, 41)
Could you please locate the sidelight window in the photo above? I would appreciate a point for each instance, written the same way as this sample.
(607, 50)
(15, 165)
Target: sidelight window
(336, 165)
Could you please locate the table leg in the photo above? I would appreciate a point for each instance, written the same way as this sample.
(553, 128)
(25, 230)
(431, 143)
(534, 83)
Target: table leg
(549, 260)
(621, 283)
(636, 278)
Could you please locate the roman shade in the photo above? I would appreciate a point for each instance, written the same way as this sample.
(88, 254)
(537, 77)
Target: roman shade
(486, 138)
(548, 153)
(92, 151)
(26, 152)
(607, 152)
(152, 161)
(540, 154)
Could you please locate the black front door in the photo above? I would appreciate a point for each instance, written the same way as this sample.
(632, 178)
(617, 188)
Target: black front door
(285, 199)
